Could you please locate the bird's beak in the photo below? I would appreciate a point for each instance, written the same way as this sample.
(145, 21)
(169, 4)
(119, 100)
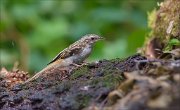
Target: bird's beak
(101, 38)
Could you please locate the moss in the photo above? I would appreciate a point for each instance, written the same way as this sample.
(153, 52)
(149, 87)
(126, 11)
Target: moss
(80, 72)
(95, 82)
(113, 79)
(164, 23)
(110, 78)
(84, 100)
(171, 44)
(152, 18)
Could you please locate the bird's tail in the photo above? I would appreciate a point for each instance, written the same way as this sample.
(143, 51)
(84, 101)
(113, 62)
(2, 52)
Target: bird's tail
(36, 75)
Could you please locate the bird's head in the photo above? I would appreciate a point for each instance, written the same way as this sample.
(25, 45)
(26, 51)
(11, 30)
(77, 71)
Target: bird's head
(91, 38)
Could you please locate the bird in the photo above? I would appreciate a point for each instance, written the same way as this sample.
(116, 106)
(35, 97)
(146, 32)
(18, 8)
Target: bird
(75, 54)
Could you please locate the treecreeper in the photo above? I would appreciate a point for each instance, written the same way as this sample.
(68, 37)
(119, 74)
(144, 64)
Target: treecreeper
(75, 54)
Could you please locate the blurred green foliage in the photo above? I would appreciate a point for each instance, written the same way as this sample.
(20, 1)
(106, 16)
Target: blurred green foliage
(34, 31)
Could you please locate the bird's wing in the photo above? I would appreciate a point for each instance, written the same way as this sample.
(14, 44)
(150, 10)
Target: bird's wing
(57, 56)
(72, 50)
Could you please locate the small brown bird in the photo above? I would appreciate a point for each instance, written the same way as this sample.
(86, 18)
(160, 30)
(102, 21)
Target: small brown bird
(75, 54)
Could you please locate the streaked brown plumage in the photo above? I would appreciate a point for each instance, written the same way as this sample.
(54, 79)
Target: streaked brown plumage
(76, 53)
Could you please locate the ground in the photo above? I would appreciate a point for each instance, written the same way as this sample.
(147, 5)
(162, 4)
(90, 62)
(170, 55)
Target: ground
(149, 80)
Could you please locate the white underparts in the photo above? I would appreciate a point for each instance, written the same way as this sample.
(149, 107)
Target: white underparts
(79, 58)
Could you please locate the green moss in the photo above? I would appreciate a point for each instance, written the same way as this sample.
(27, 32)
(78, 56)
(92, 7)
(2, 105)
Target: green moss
(164, 23)
(111, 78)
(95, 81)
(152, 18)
(84, 100)
(80, 72)
(171, 43)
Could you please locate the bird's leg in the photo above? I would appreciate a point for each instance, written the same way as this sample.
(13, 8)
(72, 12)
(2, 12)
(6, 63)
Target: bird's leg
(84, 63)
(76, 65)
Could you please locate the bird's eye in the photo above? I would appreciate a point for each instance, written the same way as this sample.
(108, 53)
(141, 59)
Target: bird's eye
(92, 38)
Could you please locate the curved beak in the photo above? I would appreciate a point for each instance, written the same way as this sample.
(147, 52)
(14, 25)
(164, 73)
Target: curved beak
(101, 38)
